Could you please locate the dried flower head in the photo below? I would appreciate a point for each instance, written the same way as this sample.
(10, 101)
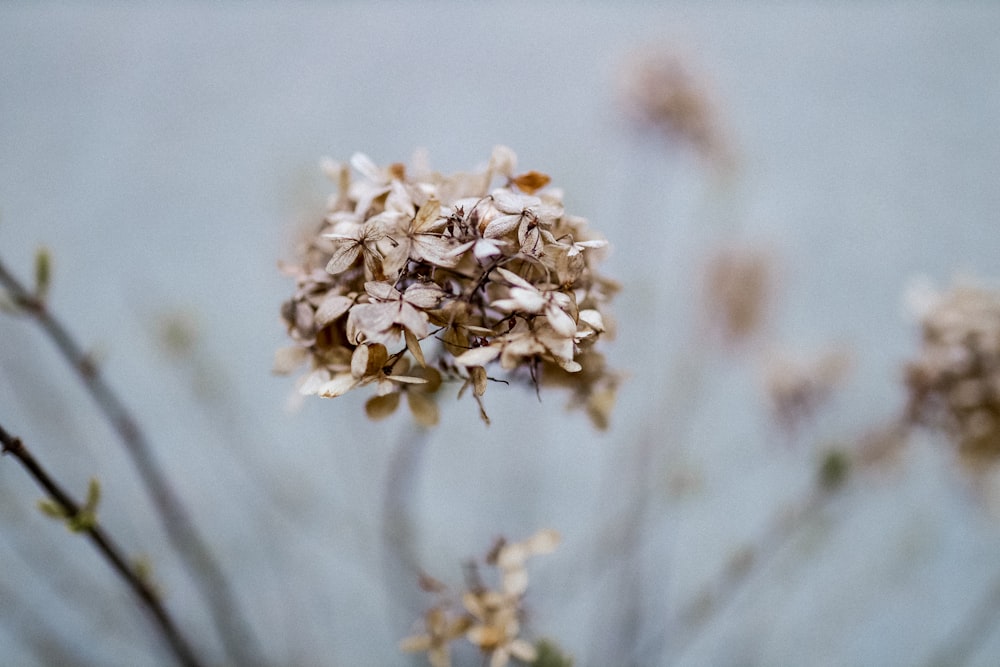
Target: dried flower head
(954, 382)
(661, 91)
(489, 618)
(416, 279)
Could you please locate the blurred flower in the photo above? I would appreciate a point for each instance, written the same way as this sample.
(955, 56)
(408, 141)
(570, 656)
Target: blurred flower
(797, 386)
(452, 273)
(442, 629)
(738, 285)
(660, 91)
(954, 381)
(488, 618)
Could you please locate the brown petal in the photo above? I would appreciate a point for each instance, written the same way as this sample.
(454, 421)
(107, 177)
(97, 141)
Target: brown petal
(424, 408)
(531, 181)
(380, 407)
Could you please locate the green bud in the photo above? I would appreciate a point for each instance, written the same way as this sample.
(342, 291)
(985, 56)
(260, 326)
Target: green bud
(834, 469)
(43, 273)
(549, 655)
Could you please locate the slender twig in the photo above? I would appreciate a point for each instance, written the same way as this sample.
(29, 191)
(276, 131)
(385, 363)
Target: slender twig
(107, 548)
(201, 564)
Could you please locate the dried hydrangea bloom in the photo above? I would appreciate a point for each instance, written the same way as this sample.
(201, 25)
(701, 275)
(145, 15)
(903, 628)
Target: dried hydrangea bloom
(489, 618)
(416, 280)
(954, 382)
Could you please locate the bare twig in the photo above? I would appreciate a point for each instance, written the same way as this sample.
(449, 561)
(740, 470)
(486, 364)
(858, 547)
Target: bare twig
(229, 621)
(108, 549)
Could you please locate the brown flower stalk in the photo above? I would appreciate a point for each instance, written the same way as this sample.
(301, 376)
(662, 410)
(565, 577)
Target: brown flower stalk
(187, 542)
(72, 511)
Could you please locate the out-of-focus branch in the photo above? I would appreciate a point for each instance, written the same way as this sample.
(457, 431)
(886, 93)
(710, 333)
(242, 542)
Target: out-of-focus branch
(104, 544)
(229, 621)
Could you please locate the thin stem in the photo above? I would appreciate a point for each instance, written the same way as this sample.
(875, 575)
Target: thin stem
(400, 561)
(187, 542)
(107, 548)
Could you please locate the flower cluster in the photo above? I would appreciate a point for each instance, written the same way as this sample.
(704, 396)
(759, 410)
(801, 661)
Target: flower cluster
(488, 618)
(417, 279)
(954, 383)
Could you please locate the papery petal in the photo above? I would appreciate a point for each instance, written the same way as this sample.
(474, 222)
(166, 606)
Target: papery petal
(332, 307)
(427, 217)
(502, 225)
(380, 407)
(560, 321)
(366, 167)
(503, 160)
(479, 378)
(413, 345)
(313, 381)
(478, 356)
(593, 319)
(544, 541)
(523, 651)
(372, 318)
(424, 295)
(368, 360)
(424, 408)
(343, 257)
(412, 319)
(400, 201)
(514, 279)
(515, 581)
(437, 250)
(530, 240)
(486, 248)
(338, 386)
(287, 359)
(507, 201)
(381, 290)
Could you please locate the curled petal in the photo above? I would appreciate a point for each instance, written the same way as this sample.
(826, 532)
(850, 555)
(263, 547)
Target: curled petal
(478, 356)
(560, 321)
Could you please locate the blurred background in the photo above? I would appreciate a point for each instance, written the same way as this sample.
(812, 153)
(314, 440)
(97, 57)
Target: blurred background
(168, 157)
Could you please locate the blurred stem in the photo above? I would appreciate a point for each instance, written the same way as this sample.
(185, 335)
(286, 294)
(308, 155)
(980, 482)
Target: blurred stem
(400, 560)
(107, 548)
(187, 542)
(713, 601)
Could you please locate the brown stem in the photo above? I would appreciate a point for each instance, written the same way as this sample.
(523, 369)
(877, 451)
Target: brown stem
(104, 544)
(187, 542)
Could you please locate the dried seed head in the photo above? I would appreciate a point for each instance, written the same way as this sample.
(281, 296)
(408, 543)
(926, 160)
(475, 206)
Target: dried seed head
(456, 273)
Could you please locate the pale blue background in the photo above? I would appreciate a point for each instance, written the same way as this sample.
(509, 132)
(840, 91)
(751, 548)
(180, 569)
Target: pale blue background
(168, 157)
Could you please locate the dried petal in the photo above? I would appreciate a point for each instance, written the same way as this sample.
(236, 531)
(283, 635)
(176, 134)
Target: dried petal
(531, 181)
